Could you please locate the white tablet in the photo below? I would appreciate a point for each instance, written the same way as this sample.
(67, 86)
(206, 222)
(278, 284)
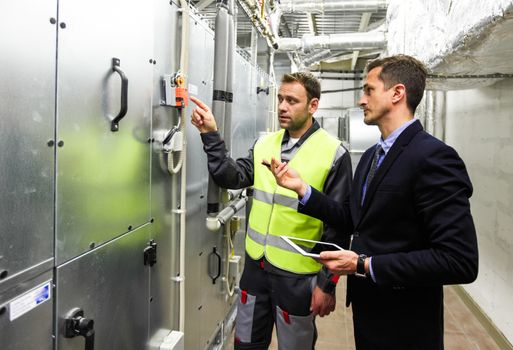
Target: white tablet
(301, 246)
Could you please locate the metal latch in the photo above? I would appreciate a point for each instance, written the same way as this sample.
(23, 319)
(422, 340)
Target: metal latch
(150, 253)
(77, 325)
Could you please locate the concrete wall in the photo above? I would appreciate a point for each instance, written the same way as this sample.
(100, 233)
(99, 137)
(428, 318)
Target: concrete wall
(480, 127)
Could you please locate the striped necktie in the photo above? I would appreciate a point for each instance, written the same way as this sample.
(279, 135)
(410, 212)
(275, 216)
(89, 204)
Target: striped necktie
(377, 154)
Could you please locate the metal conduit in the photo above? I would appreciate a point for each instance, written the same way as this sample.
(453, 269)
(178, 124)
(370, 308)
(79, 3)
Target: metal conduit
(291, 6)
(346, 41)
(227, 132)
(317, 57)
(289, 44)
(253, 11)
(222, 28)
(223, 217)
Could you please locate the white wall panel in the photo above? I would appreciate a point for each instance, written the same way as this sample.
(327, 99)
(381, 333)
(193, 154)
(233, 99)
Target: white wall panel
(480, 127)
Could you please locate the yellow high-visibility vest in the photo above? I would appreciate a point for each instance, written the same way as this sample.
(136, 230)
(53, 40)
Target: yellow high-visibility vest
(274, 210)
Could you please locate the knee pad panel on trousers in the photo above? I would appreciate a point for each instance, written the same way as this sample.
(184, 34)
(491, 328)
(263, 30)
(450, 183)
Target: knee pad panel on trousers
(294, 332)
(244, 318)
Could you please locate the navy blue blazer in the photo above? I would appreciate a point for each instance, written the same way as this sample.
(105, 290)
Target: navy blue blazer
(416, 225)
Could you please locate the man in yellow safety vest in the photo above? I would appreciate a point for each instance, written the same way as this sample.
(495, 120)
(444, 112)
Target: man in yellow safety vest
(280, 286)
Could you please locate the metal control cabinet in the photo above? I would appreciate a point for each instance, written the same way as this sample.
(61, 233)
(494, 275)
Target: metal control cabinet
(27, 124)
(81, 199)
(27, 100)
(26, 313)
(204, 301)
(103, 177)
(164, 309)
(250, 107)
(110, 284)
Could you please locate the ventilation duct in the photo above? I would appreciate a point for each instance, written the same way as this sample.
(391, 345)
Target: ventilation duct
(463, 46)
(291, 6)
(345, 41)
(317, 57)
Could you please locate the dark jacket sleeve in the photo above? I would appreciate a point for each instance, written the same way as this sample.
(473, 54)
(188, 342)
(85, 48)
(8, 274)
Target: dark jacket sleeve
(441, 197)
(333, 213)
(226, 172)
(337, 187)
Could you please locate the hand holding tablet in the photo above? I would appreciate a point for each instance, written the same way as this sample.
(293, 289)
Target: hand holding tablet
(301, 246)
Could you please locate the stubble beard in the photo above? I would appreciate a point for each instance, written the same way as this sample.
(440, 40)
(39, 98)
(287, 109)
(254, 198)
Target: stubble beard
(295, 125)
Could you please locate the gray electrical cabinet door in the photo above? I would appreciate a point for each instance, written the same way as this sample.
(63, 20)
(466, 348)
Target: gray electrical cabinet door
(110, 285)
(244, 108)
(27, 95)
(203, 302)
(263, 101)
(103, 174)
(26, 313)
(164, 309)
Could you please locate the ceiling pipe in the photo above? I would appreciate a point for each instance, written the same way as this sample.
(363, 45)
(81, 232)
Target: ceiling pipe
(291, 6)
(274, 21)
(317, 57)
(345, 41)
(253, 11)
(289, 44)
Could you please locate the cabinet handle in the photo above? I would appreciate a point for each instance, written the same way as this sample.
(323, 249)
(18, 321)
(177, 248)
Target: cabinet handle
(214, 255)
(114, 126)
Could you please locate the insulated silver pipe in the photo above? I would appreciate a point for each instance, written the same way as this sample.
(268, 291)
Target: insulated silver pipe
(227, 213)
(232, 194)
(289, 44)
(229, 78)
(346, 41)
(222, 218)
(316, 57)
(221, 42)
(291, 6)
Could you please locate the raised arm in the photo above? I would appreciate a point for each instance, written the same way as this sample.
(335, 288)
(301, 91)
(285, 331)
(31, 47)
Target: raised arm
(226, 172)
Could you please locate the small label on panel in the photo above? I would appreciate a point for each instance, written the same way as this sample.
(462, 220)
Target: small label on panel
(29, 300)
(193, 89)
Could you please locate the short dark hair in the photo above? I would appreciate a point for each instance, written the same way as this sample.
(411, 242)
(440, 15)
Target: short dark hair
(309, 82)
(406, 70)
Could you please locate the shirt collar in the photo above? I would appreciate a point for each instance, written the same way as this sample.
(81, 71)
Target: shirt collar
(389, 142)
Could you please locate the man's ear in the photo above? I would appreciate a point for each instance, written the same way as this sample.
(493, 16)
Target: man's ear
(313, 105)
(399, 93)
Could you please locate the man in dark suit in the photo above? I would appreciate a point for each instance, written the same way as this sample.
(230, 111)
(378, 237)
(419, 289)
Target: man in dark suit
(409, 215)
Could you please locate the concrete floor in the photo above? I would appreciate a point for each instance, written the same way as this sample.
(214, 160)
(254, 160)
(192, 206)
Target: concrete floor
(463, 331)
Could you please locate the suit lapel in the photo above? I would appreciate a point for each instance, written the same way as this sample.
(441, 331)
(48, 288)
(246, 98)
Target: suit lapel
(402, 141)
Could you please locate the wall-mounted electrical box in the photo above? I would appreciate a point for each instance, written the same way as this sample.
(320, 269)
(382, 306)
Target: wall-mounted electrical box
(174, 92)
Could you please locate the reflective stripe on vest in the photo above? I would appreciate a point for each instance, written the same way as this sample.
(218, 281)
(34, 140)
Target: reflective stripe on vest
(277, 198)
(274, 241)
(274, 210)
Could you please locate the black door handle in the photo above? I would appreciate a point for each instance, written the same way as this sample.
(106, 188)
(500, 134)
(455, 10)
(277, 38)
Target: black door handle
(77, 325)
(114, 126)
(214, 255)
